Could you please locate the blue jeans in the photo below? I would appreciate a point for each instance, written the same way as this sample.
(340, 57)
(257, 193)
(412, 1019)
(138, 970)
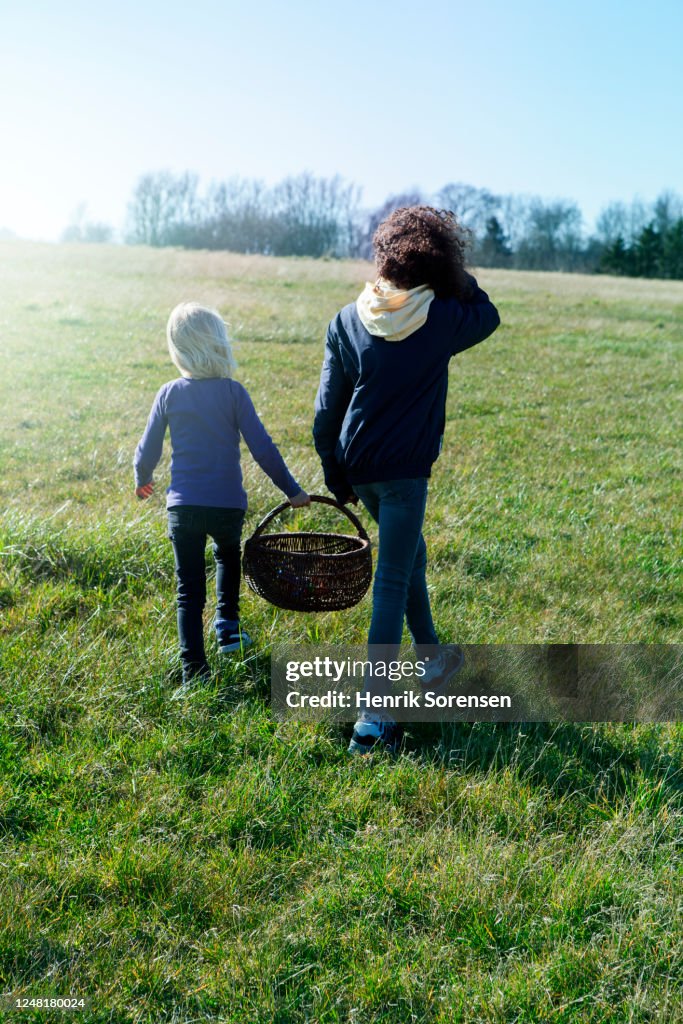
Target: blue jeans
(400, 587)
(188, 528)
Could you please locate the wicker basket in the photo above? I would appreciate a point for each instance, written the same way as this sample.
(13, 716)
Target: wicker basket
(309, 572)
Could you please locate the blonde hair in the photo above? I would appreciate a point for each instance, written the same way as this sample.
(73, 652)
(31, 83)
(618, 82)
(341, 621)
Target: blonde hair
(198, 342)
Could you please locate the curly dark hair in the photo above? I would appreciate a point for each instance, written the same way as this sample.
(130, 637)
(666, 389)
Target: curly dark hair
(422, 245)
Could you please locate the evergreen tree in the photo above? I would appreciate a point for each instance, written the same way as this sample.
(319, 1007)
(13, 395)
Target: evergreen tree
(615, 257)
(494, 249)
(672, 251)
(649, 252)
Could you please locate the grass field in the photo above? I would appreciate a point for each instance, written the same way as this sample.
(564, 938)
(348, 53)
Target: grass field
(197, 861)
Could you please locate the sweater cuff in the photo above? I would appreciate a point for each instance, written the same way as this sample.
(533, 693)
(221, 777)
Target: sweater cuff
(141, 478)
(292, 488)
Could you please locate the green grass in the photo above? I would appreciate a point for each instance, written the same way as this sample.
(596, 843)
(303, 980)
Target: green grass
(196, 860)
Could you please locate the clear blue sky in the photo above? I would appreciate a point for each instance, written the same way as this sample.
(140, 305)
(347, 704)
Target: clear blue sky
(577, 99)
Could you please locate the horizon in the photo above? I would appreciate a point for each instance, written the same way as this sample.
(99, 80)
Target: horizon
(83, 214)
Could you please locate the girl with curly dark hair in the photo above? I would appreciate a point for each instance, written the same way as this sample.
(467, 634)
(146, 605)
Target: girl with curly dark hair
(380, 414)
(418, 245)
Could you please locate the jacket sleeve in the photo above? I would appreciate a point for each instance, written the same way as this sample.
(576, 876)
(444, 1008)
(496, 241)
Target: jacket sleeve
(331, 403)
(148, 451)
(261, 445)
(474, 320)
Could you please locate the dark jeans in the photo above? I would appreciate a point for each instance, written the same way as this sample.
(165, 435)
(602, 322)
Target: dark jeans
(400, 587)
(188, 528)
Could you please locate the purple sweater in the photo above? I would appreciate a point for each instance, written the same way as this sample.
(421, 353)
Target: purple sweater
(206, 418)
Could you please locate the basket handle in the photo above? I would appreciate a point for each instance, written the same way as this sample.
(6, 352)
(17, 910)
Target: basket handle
(323, 501)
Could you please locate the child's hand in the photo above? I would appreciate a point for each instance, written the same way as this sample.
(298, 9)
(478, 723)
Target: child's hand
(145, 491)
(300, 499)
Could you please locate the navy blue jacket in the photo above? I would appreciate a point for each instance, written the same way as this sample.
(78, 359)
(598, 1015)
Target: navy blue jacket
(380, 410)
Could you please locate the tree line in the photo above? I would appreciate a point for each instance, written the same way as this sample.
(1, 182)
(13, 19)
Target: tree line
(305, 215)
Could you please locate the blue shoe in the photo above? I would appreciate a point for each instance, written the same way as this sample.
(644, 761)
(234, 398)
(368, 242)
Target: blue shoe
(375, 734)
(441, 669)
(234, 640)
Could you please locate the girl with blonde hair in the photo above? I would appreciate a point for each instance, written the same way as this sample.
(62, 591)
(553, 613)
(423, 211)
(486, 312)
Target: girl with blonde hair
(206, 412)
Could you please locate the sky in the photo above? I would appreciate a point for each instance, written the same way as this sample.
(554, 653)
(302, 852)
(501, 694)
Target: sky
(576, 99)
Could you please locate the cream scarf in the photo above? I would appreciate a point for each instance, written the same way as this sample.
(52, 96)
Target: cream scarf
(393, 313)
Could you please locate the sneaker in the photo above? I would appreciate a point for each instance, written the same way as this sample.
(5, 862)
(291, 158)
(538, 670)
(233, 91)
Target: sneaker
(442, 668)
(235, 640)
(372, 733)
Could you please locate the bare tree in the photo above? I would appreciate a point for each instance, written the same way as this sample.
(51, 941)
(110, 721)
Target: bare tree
(514, 218)
(164, 209)
(473, 207)
(667, 210)
(80, 229)
(553, 238)
(311, 216)
(622, 220)
(302, 215)
(238, 216)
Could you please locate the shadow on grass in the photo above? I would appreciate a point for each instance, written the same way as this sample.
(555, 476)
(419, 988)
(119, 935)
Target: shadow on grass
(600, 761)
(565, 757)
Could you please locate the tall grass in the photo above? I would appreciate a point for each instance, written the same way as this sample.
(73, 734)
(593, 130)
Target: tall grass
(192, 859)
